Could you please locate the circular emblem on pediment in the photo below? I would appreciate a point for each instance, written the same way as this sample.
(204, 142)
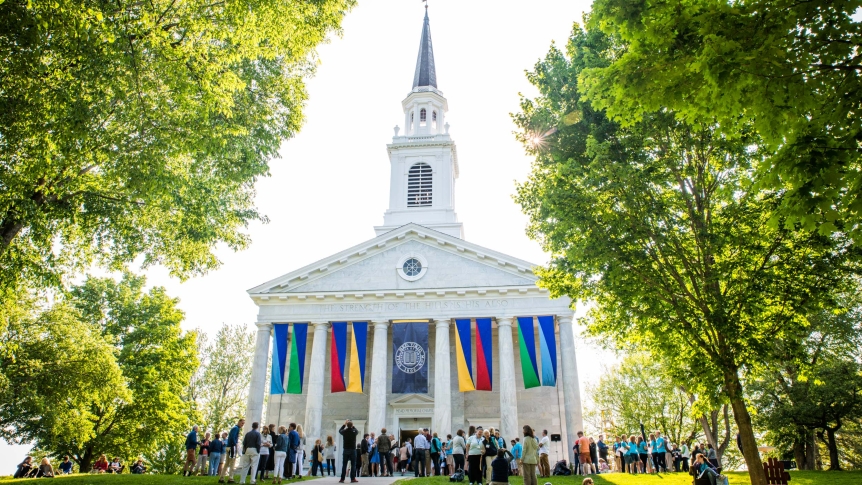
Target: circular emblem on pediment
(410, 357)
(412, 267)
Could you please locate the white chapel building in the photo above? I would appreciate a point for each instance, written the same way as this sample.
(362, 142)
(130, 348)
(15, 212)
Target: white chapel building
(419, 267)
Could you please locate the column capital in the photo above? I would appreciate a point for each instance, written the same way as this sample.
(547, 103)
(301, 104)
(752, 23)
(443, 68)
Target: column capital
(565, 319)
(320, 323)
(504, 321)
(381, 324)
(442, 322)
(261, 326)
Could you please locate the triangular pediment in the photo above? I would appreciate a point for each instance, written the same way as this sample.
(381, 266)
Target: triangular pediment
(412, 400)
(448, 263)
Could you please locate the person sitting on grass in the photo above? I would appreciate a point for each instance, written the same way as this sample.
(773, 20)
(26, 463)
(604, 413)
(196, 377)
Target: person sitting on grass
(101, 465)
(115, 466)
(45, 469)
(138, 468)
(705, 468)
(500, 469)
(24, 468)
(66, 466)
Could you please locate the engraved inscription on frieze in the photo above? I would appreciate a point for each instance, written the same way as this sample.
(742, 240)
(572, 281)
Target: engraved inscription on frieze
(414, 306)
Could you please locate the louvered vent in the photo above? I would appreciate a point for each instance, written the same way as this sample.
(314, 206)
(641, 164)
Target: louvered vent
(419, 185)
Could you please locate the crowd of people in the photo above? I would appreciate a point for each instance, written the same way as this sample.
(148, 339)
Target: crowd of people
(28, 469)
(480, 455)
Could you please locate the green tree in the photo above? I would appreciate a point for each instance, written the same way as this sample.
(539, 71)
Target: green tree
(138, 129)
(662, 225)
(222, 383)
(61, 378)
(113, 365)
(791, 67)
(639, 391)
(816, 389)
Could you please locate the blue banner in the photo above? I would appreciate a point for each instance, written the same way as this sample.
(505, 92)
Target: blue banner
(548, 341)
(410, 362)
(279, 357)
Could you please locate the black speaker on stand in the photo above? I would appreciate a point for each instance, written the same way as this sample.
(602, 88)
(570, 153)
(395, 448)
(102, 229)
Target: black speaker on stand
(558, 439)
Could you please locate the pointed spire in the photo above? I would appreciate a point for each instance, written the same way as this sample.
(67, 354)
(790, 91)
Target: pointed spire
(425, 74)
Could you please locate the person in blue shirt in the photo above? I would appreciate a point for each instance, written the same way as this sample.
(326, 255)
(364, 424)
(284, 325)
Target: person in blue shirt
(703, 467)
(643, 453)
(659, 452)
(191, 446)
(632, 459)
(517, 451)
(229, 467)
(66, 466)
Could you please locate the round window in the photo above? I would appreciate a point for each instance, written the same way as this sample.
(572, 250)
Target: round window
(412, 267)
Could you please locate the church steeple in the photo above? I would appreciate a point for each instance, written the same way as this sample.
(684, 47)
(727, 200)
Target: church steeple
(425, 74)
(423, 160)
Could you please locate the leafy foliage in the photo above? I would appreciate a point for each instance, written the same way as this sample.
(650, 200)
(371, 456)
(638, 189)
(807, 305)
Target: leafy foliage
(134, 129)
(817, 388)
(637, 390)
(663, 225)
(221, 383)
(101, 371)
(793, 68)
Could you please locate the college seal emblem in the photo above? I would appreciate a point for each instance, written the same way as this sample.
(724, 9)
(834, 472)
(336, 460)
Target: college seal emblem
(410, 357)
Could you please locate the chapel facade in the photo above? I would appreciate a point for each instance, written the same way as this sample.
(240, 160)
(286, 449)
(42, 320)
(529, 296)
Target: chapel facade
(418, 269)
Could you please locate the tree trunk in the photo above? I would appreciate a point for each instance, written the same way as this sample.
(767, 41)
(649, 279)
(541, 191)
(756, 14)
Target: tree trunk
(834, 462)
(811, 451)
(86, 463)
(743, 421)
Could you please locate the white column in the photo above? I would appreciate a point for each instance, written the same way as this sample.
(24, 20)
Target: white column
(257, 386)
(571, 388)
(314, 397)
(442, 423)
(508, 393)
(377, 388)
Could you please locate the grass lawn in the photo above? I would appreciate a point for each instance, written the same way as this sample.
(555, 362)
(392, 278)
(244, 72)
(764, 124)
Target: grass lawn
(736, 478)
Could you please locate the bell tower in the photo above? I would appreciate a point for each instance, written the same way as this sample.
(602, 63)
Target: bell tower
(423, 160)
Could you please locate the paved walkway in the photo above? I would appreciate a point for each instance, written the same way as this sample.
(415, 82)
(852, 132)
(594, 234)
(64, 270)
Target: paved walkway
(364, 480)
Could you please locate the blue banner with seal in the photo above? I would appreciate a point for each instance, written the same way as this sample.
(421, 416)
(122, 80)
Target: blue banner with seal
(410, 358)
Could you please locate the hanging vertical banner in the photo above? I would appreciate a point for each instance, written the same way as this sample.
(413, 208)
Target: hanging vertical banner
(410, 363)
(548, 343)
(358, 343)
(464, 355)
(527, 349)
(296, 372)
(484, 355)
(338, 354)
(279, 357)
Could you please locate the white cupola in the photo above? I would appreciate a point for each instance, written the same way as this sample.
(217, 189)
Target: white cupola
(423, 160)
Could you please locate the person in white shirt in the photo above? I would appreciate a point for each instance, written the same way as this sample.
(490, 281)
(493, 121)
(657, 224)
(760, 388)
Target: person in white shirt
(420, 443)
(544, 449)
(475, 448)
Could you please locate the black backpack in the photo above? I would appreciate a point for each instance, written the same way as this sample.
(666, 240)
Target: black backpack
(458, 476)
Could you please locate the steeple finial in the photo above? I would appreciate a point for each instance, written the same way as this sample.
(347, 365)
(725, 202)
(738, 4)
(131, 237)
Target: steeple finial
(425, 74)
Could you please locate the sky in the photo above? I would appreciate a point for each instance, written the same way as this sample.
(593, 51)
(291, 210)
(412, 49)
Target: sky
(330, 184)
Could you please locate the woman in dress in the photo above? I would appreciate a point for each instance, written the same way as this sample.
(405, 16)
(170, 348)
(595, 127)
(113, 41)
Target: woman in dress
(375, 460)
